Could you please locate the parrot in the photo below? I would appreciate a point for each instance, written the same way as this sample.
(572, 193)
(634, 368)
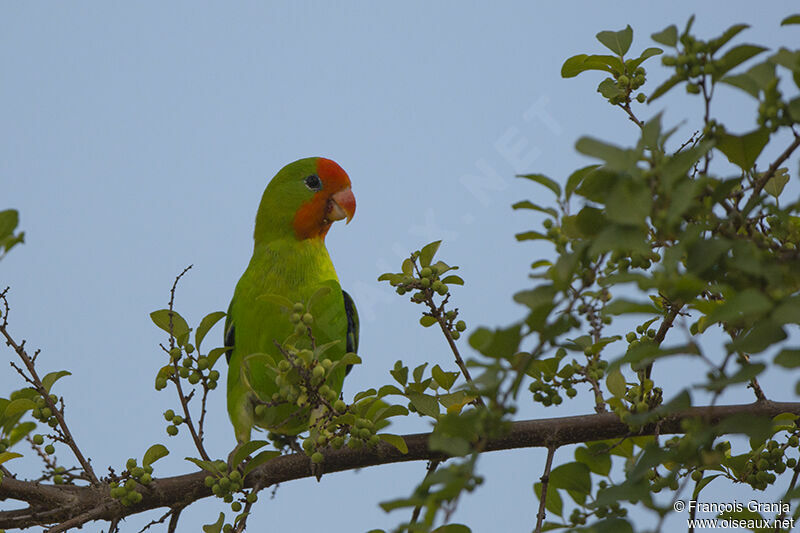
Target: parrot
(289, 262)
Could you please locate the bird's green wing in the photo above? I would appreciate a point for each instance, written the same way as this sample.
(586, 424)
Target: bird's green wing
(352, 326)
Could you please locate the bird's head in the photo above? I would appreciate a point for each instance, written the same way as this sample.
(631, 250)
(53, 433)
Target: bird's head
(304, 199)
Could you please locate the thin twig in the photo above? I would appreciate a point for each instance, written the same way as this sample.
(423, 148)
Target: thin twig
(766, 176)
(37, 383)
(551, 451)
(432, 466)
(176, 379)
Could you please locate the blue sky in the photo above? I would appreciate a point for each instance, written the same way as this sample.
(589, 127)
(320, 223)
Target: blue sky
(139, 137)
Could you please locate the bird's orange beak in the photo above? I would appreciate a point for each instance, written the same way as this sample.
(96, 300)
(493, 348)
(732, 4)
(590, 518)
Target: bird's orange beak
(342, 204)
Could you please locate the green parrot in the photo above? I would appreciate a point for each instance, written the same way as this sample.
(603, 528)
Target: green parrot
(290, 261)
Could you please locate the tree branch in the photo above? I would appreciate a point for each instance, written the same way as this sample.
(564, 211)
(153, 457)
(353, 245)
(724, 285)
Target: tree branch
(551, 451)
(50, 504)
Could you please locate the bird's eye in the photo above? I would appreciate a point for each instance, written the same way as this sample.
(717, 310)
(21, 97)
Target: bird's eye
(313, 182)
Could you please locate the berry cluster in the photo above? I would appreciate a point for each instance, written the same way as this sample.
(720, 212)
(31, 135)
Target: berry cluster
(191, 366)
(579, 517)
(773, 112)
(425, 280)
(302, 373)
(625, 83)
(621, 261)
(126, 492)
(226, 485)
(764, 463)
(174, 421)
(43, 413)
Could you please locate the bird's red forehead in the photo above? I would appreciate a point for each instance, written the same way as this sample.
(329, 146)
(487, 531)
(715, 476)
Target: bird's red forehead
(332, 175)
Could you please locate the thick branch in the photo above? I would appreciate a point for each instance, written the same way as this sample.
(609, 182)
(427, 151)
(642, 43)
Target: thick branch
(59, 503)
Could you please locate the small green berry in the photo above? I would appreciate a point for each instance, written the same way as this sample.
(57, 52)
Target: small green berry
(38, 439)
(172, 430)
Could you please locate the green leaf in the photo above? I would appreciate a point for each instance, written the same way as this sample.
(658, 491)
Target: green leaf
(407, 267)
(455, 446)
(609, 89)
(794, 108)
(617, 41)
(52, 377)
(400, 373)
(319, 294)
(573, 477)
(621, 306)
(733, 58)
(777, 182)
(180, 329)
(595, 184)
(500, 343)
(788, 358)
(745, 304)
(554, 503)
(527, 204)
(7, 456)
(427, 253)
(452, 528)
(743, 150)
(259, 460)
(530, 236)
(615, 382)
(701, 485)
(9, 219)
(629, 203)
(763, 335)
(419, 372)
(543, 180)
(668, 36)
(662, 89)
(425, 404)
(216, 527)
(576, 178)
(722, 40)
(452, 279)
(590, 221)
(364, 394)
(623, 238)
(388, 390)
(19, 406)
(154, 453)
(612, 525)
(644, 56)
(208, 466)
(595, 456)
(582, 62)
(444, 379)
(745, 373)
(390, 411)
(616, 158)
(245, 449)
(744, 82)
(214, 354)
(427, 321)
(395, 440)
(206, 324)
(791, 19)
